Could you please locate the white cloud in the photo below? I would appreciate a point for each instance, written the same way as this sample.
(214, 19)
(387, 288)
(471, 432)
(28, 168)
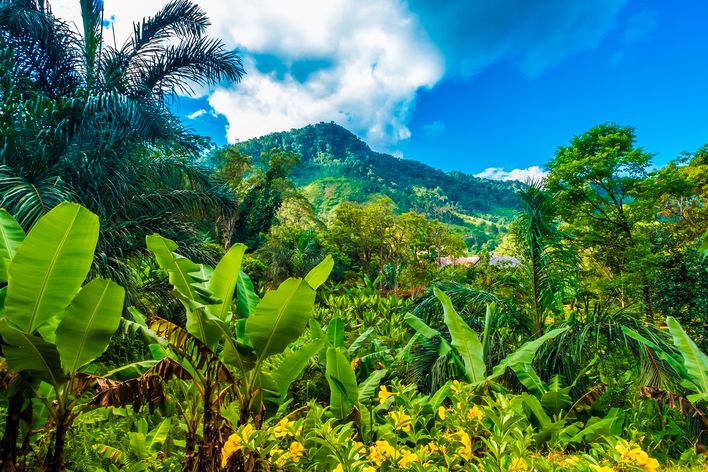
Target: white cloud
(522, 175)
(368, 82)
(377, 57)
(365, 60)
(197, 114)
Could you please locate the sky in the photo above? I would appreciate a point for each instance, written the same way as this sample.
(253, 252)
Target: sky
(490, 88)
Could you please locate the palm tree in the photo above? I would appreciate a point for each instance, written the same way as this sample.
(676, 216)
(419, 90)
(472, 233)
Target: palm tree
(87, 121)
(546, 261)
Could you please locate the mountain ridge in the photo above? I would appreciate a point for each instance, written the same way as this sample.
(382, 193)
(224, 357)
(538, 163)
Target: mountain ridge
(337, 166)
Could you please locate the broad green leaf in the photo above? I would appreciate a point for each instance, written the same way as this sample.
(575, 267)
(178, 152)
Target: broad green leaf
(694, 360)
(319, 274)
(422, 329)
(607, 426)
(335, 332)
(441, 395)
(108, 452)
(368, 388)
(557, 400)
(360, 340)
(674, 362)
(11, 235)
(89, 322)
(49, 267)
(163, 249)
(420, 326)
(246, 298)
(464, 339)
(268, 390)
(280, 318)
(199, 322)
(223, 281)
(489, 315)
(31, 354)
(525, 354)
(530, 379)
(131, 371)
(532, 403)
(293, 364)
(342, 383)
(158, 436)
(235, 353)
(3, 294)
(139, 445)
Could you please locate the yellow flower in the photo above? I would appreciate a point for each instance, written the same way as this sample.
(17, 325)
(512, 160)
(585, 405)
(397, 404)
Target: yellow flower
(384, 394)
(236, 442)
(466, 450)
(432, 448)
(475, 414)
(401, 421)
(652, 465)
(572, 460)
(359, 447)
(281, 429)
(455, 387)
(380, 451)
(368, 468)
(339, 468)
(441, 412)
(638, 456)
(603, 468)
(355, 363)
(407, 458)
(297, 450)
(247, 431)
(517, 465)
(282, 457)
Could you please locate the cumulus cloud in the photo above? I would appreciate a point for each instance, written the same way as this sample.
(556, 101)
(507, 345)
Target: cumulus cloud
(196, 114)
(361, 62)
(522, 175)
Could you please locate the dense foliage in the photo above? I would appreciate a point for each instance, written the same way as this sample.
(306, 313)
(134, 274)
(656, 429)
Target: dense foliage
(308, 304)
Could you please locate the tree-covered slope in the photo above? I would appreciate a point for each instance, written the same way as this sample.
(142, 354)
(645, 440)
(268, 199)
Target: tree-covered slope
(337, 166)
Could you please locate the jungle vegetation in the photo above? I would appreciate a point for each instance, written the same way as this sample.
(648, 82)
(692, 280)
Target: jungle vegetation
(299, 302)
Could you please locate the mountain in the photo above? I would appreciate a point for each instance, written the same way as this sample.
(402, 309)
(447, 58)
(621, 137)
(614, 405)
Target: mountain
(337, 166)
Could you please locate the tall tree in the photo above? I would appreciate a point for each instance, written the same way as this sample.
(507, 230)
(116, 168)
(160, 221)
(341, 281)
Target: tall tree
(87, 121)
(259, 209)
(547, 261)
(598, 176)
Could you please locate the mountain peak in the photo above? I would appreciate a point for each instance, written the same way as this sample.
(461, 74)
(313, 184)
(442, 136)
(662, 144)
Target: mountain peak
(338, 166)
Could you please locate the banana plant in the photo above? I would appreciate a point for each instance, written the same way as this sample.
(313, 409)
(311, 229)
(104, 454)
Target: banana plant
(51, 325)
(691, 364)
(228, 346)
(468, 353)
(346, 393)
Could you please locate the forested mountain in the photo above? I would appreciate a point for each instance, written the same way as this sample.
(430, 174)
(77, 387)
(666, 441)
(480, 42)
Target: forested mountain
(337, 166)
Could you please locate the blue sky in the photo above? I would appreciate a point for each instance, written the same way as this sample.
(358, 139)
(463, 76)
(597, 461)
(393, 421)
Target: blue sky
(479, 86)
(650, 72)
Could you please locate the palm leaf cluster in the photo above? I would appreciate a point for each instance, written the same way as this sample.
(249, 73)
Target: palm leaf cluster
(88, 121)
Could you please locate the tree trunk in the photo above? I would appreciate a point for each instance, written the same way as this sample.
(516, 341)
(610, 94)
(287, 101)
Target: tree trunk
(209, 455)
(648, 307)
(54, 461)
(8, 445)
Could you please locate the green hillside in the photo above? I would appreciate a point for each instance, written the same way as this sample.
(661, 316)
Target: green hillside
(337, 166)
